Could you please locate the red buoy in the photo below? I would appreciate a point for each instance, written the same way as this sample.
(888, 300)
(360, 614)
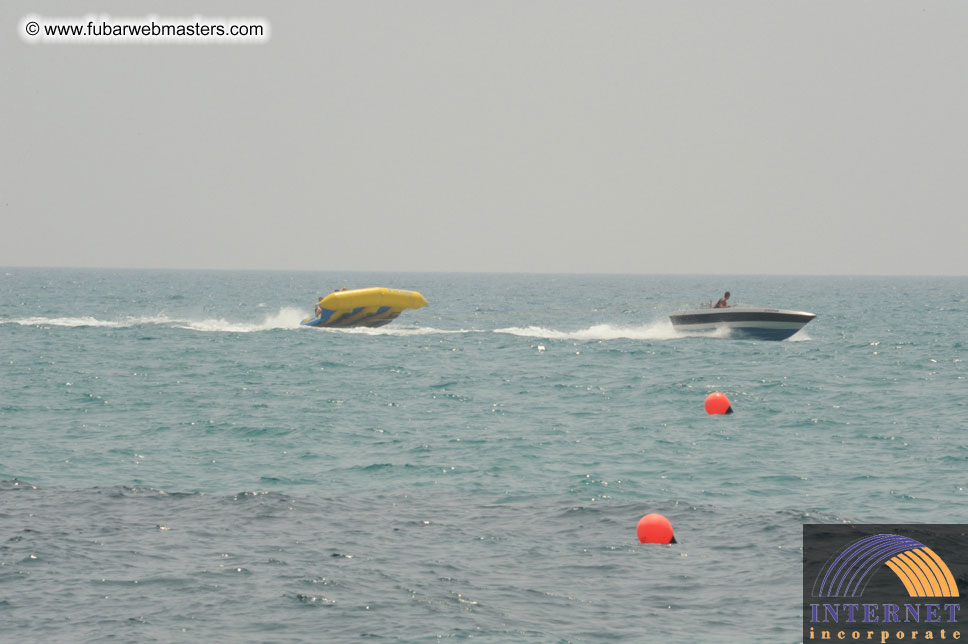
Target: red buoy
(655, 528)
(718, 403)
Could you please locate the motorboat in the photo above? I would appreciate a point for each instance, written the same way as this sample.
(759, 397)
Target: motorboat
(741, 322)
(370, 307)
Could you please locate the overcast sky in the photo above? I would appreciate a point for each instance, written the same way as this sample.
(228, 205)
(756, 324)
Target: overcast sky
(672, 136)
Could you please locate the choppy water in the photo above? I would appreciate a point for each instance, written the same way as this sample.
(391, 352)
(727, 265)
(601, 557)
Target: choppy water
(181, 461)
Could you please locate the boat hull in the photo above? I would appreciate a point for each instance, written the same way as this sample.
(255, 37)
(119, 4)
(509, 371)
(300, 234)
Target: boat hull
(741, 323)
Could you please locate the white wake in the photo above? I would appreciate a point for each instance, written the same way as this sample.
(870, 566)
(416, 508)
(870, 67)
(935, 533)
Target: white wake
(659, 330)
(287, 318)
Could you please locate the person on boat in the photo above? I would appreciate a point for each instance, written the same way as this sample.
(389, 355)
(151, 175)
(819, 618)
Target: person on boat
(722, 303)
(319, 308)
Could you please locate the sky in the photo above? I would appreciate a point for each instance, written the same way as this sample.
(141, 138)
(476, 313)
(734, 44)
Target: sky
(804, 137)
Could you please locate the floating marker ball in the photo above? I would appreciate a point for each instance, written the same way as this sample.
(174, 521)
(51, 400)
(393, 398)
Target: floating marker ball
(718, 403)
(655, 528)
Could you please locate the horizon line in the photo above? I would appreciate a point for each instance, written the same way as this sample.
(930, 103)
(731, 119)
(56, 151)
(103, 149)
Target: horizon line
(468, 272)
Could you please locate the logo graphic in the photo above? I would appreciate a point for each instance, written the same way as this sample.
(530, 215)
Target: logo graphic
(884, 582)
(922, 572)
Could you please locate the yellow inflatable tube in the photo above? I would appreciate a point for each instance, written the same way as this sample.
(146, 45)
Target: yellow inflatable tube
(364, 307)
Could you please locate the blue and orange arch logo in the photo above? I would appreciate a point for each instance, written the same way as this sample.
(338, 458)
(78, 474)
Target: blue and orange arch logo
(922, 572)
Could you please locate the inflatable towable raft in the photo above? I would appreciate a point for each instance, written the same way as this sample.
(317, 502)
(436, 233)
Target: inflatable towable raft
(364, 307)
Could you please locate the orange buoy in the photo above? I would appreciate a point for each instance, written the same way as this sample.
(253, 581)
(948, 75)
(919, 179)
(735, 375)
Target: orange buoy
(655, 528)
(718, 403)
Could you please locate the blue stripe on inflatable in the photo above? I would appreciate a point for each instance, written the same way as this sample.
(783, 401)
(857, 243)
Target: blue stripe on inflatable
(370, 318)
(339, 320)
(329, 317)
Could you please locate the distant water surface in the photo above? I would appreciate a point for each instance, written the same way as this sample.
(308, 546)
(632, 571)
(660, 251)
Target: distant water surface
(182, 461)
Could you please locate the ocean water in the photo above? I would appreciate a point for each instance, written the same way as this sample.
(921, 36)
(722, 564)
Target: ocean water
(182, 462)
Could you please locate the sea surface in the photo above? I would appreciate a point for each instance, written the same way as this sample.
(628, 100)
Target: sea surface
(181, 461)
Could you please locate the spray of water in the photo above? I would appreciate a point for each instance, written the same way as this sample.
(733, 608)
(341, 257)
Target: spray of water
(285, 318)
